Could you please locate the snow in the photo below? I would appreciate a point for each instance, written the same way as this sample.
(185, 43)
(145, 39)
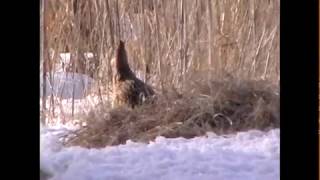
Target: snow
(64, 84)
(65, 57)
(63, 110)
(251, 155)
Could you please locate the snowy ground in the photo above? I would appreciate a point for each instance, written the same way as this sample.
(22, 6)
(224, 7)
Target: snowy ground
(67, 85)
(251, 155)
(69, 90)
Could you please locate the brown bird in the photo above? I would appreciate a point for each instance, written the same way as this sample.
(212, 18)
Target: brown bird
(127, 88)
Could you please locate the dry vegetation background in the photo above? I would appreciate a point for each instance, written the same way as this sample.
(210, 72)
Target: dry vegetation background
(186, 49)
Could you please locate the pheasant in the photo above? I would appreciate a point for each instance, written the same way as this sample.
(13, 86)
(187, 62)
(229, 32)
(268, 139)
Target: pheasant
(128, 90)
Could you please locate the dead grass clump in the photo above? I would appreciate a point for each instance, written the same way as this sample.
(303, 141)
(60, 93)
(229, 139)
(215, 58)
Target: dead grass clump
(222, 107)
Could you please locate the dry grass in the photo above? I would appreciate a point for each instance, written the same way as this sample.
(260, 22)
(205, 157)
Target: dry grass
(181, 47)
(221, 107)
(168, 42)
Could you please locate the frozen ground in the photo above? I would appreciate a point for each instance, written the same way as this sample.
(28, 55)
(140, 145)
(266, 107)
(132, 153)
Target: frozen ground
(252, 155)
(67, 85)
(69, 90)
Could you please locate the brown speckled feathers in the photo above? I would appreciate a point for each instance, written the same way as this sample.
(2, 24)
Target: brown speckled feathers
(128, 89)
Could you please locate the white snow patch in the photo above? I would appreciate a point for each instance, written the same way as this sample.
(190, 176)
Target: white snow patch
(67, 85)
(65, 57)
(63, 110)
(248, 155)
(64, 86)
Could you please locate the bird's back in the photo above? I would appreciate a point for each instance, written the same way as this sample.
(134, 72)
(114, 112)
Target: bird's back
(128, 89)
